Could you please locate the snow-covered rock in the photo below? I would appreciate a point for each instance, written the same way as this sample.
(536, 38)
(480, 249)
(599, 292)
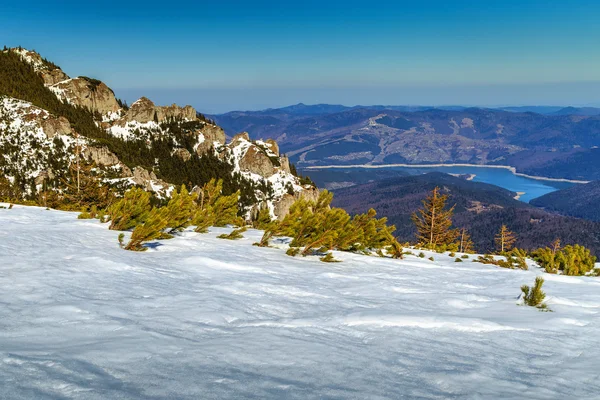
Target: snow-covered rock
(200, 317)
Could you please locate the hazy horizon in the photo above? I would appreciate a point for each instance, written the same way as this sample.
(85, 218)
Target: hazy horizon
(237, 55)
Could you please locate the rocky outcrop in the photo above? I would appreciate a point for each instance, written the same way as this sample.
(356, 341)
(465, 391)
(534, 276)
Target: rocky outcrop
(86, 92)
(210, 135)
(52, 77)
(56, 126)
(273, 146)
(144, 110)
(147, 179)
(182, 153)
(284, 162)
(101, 156)
(282, 207)
(256, 161)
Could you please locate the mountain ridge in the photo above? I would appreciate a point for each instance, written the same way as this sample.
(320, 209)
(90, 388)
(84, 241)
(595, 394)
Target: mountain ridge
(157, 147)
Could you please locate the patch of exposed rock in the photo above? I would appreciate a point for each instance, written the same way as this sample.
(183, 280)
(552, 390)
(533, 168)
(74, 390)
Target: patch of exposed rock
(282, 207)
(210, 134)
(256, 161)
(144, 110)
(89, 93)
(56, 126)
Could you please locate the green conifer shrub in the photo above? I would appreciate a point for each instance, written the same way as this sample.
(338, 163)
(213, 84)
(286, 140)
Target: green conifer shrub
(150, 229)
(458, 259)
(215, 209)
(121, 239)
(180, 209)
(570, 260)
(84, 215)
(130, 211)
(328, 257)
(234, 235)
(534, 297)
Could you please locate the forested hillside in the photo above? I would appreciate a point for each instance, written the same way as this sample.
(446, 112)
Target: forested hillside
(479, 207)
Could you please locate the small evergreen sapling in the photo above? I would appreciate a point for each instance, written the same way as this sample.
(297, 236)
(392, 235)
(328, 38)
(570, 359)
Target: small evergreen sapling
(329, 258)
(534, 297)
(234, 235)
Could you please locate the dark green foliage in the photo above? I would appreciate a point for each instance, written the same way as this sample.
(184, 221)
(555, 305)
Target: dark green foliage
(85, 215)
(458, 260)
(464, 256)
(329, 258)
(214, 208)
(570, 260)
(317, 227)
(421, 255)
(234, 235)
(151, 229)
(121, 238)
(131, 211)
(514, 259)
(180, 210)
(534, 297)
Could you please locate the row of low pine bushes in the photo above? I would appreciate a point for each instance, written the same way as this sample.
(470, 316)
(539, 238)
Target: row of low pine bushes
(135, 211)
(317, 228)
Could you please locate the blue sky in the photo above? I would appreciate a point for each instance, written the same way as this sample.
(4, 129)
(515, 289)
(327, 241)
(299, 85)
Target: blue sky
(228, 55)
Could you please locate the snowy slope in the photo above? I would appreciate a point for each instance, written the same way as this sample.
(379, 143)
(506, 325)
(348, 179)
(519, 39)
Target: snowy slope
(202, 318)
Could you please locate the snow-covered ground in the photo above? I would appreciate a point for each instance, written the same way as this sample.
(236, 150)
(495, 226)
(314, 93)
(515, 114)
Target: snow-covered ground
(197, 317)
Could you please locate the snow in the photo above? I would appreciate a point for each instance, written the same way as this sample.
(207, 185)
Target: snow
(197, 317)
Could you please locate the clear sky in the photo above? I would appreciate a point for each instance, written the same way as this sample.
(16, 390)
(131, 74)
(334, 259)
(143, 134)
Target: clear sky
(224, 55)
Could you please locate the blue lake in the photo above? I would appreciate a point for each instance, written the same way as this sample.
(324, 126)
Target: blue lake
(529, 187)
(504, 178)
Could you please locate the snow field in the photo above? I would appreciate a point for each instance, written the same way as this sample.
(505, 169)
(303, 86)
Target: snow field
(198, 317)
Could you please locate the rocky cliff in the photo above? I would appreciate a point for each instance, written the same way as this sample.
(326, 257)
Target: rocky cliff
(152, 146)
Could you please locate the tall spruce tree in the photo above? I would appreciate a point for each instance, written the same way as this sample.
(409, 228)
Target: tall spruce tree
(505, 239)
(434, 221)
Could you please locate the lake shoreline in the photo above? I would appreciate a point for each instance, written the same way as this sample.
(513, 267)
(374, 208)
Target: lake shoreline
(508, 167)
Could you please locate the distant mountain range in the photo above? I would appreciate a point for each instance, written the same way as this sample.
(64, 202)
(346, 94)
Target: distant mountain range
(480, 207)
(552, 144)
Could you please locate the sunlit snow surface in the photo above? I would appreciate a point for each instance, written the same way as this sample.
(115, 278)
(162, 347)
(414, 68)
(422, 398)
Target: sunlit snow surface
(197, 317)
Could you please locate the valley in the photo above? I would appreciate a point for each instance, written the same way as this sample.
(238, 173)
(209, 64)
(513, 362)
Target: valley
(528, 187)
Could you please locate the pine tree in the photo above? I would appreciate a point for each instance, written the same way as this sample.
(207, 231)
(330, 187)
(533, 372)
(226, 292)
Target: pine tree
(534, 297)
(215, 209)
(465, 242)
(151, 229)
(434, 222)
(180, 209)
(555, 246)
(505, 239)
(131, 211)
(84, 188)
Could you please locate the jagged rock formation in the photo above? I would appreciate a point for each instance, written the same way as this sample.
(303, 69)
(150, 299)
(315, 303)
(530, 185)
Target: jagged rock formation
(155, 147)
(86, 92)
(144, 110)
